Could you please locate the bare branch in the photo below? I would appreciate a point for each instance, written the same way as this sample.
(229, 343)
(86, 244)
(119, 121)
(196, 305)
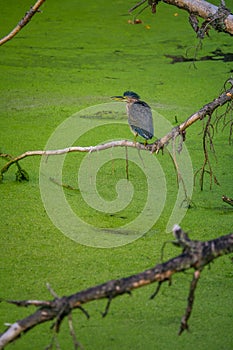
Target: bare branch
(227, 200)
(226, 118)
(206, 110)
(184, 322)
(34, 9)
(215, 16)
(21, 174)
(158, 145)
(206, 167)
(220, 18)
(72, 333)
(88, 149)
(195, 255)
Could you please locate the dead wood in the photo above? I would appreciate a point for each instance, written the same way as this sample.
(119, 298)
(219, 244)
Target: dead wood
(22, 23)
(219, 17)
(227, 200)
(195, 255)
(180, 130)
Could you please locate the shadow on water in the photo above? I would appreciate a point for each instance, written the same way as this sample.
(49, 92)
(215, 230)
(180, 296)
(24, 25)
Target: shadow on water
(217, 55)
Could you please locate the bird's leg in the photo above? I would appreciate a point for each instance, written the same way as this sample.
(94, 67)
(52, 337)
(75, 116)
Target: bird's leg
(135, 137)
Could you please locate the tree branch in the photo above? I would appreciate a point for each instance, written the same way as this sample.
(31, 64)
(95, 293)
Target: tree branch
(227, 200)
(220, 18)
(195, 255)
(27, 17)
(158, 145)
(184, 321)
(217, 19)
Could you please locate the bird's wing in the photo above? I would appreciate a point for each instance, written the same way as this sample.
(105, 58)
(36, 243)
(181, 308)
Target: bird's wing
(139, 131)
(140, 116)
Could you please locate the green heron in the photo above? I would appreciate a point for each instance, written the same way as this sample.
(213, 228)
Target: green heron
(139, 115)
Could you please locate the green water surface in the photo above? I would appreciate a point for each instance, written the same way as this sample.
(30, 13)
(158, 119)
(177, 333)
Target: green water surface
(73, 55)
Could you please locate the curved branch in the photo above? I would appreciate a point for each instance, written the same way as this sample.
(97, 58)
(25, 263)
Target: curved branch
(206, 11)
(220, 18)
(207, 110)
(34, 9)
(227, 200)
(88, 149)
(196, 255)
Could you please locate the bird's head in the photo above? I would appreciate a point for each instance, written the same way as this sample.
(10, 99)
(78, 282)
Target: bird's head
(128, 96)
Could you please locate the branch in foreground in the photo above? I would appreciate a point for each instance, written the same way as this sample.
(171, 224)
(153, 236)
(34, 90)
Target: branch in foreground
(158, 145)
(34, 9)
(195, 255)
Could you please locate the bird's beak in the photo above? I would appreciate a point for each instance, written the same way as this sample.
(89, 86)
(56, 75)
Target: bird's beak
(118, 98)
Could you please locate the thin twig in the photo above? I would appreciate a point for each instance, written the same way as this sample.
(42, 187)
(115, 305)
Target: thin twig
(52, 292)
(126, 163)
(68, 187)
(184, 321)
(137, 5)
(72, 333)
(207, 164)
(180, 179)
(104, 314)
(28, 16)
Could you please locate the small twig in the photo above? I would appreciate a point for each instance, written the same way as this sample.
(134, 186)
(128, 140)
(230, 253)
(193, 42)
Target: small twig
(84, 312)
(156, 290)
(185, 318)
(21, 174)
(159, 285)
(104, 314)
(139, 12)
(207, 136)
(141, 158)
(137, 5)
(126, 163)
(227, 116)
(180, 179)
(68, 187)
(52, 292)
(34, 9)
(163, 248)
(72, 333)
(186, 202)
(53, 340)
